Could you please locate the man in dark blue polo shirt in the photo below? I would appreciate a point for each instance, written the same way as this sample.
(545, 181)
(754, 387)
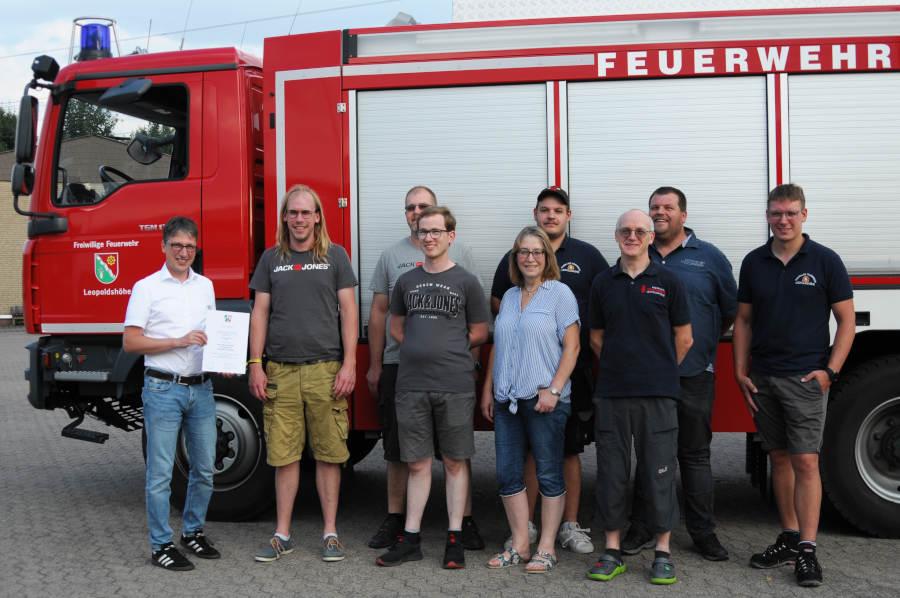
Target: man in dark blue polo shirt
(789, 288)
(712, 296)
(579, 263)
(640, 331)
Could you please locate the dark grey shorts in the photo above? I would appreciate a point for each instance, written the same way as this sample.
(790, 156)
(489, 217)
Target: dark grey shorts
(791, 413)
(424, 416)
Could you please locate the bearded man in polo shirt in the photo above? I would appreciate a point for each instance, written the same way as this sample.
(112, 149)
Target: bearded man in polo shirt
(712, 296)
(164, 321)
(640, 331)
(787, 292)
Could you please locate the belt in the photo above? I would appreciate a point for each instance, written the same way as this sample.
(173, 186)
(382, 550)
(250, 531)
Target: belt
(185, 380)
(307, 362)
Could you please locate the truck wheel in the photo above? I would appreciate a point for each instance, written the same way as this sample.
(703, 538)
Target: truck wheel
(244, 483)
(861, 449)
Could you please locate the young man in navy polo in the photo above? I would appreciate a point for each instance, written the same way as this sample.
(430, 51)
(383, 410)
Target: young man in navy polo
(579, 263)
(788, 290)
(640, 331)
(712, 296)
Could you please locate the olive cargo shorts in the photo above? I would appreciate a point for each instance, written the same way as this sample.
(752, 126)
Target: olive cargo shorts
(299, 402)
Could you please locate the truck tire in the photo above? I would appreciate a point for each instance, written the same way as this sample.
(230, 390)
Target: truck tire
(861, 449)
(244, 483)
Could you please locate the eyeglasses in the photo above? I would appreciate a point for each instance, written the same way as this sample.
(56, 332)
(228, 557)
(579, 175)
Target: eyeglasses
(790, 214)
(434, 233)
(304, 214)
(625, 233)
(535, 253)
(412, 207)
(179, 247)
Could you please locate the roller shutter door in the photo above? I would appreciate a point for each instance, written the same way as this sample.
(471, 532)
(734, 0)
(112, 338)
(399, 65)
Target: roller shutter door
(845, 152)
(705, 136)
(482, 149)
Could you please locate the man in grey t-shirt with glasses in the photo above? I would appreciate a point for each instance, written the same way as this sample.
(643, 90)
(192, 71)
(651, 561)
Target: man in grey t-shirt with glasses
(439, 313)
(384, 359)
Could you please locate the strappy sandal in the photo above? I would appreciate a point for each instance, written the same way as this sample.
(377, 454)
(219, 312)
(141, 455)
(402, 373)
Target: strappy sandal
(502, 561)
(542, 562)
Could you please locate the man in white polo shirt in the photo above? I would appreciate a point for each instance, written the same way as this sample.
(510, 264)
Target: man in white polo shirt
(165, 322)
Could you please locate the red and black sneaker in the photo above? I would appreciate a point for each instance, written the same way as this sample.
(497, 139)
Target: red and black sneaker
(454, 554)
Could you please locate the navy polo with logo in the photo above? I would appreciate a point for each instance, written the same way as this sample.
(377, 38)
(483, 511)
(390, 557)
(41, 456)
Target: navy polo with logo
(637, 315)
(792, 306)
(712, 296)
(579, 263)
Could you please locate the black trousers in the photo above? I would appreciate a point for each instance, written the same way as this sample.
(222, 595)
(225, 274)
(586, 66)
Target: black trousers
(652, 423)
(694, 437)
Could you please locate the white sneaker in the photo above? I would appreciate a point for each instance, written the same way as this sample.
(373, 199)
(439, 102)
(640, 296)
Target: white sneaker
(574, 538)
(532, 537)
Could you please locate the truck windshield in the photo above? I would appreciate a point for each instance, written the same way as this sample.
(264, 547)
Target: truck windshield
(101, 148)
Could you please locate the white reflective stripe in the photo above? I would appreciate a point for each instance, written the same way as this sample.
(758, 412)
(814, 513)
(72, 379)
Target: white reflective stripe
(473, 64)
(78, 327)
(316, 73)
(281, 77)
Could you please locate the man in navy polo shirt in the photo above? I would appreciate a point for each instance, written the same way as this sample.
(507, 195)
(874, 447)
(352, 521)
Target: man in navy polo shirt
(712, 296)
(788, 290)
(640, 331)
(579, 263)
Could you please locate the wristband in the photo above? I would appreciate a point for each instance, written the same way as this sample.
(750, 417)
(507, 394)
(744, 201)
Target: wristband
(254, 360)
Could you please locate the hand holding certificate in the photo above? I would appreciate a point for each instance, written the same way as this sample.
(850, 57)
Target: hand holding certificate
(226, 348)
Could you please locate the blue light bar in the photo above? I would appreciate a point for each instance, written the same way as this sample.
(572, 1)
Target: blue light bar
(94, 42)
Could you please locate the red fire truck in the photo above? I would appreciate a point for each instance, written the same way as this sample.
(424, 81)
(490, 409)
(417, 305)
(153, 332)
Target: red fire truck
(724, 105)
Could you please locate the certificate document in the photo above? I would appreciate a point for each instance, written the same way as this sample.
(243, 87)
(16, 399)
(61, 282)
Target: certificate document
(226, 344)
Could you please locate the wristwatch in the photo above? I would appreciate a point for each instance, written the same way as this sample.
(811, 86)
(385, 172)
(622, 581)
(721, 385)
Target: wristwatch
(832, 375)
(555, 392)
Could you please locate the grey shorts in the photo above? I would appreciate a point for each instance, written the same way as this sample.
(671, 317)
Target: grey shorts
(424, 416)
(791, 413)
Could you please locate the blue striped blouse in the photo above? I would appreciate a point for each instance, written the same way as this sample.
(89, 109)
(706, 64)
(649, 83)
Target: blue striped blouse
(528, 344)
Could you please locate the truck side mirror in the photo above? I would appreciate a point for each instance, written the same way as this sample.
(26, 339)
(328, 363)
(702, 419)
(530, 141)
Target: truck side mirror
(22, 179)
(26, 130)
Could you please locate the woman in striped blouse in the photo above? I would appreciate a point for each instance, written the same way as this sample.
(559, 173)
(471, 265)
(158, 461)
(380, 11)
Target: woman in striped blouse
(526, 393)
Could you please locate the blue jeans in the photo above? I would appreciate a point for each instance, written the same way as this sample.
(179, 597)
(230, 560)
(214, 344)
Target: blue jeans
(543, 433)
(168, 409)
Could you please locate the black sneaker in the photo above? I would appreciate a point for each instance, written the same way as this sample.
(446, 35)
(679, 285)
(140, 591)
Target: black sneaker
(199, 545)
(402, 551)
(807, 569)
(471, 539)
(454, 554)
(782, 552)
(637, 539)
(388, 532)
(169, 557)
(710, 547)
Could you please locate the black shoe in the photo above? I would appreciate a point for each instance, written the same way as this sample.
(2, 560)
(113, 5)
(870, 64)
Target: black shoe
(199, 545)
(637, 539)
(169, 557)
(782, 552)
(454, 554)
(471, 539)
(807, 569)
(402, 551)
(388, 532)
(710, 547)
